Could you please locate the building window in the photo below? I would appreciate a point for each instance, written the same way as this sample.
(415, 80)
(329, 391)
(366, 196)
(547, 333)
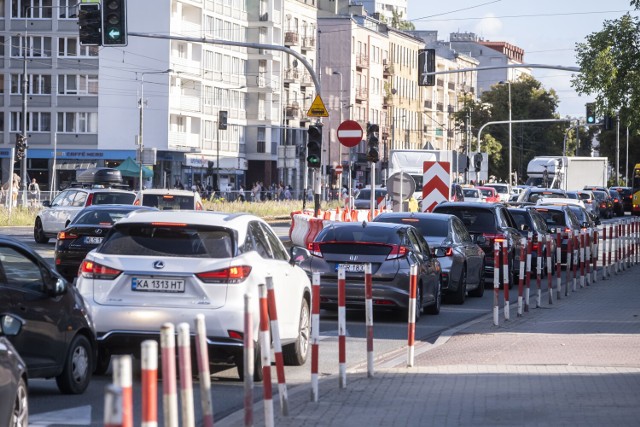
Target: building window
(261, 145)
(37, 84)
(35, 9)
(68, 9)
(78, 122)
(70, 46)
(36, 46)
(72, 84)
(36, 121)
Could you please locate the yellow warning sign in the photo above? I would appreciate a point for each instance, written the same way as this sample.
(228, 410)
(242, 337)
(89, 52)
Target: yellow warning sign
(317, 108)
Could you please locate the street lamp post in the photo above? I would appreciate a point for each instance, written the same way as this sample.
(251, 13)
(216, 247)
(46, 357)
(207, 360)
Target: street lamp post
(510, 134)
(338, 73)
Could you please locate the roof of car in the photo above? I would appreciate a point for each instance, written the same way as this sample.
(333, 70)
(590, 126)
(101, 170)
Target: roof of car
(465, 204)
(118, 207)
(417, 215)
(173, 191)
(560, 201)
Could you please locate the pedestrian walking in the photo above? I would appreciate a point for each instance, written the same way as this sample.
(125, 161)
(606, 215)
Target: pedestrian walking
(34, 193)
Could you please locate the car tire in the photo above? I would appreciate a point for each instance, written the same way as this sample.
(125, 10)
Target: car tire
(38, 232)
(479, 291)
(435, 307)
(102, 363)
(78, 366)
(295, 354)
(257, 364)
(459, 296)
(20, 411)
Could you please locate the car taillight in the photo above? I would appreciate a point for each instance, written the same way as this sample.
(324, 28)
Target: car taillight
(397, 251)
(448, 251)
(93, 270)
(63, 235)
(494, 238)
(89, 200)
(314, 249)
(231, 275)
(615, 200)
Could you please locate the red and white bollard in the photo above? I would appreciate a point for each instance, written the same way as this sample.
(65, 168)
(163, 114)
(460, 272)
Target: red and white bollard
(582, 255)
(112, 406)
(265, 356)
(368, 301)
(549, 269)
(623, 246)
(576, 256)
(248, 361)
(558, 262)
(315, 334)
(186, 381)
(342, 330)
(122, 377)
(149, 365)
(411, 333)
(277, 347)
(505, 278)
(594, 254)
(587, 256)
(527, 290)
(523, 243)
(610, 265)
(604, 252)
(202, 358)
(496, 282)
(616, 251)
(169, 383)
(539, 271)
(570, 261)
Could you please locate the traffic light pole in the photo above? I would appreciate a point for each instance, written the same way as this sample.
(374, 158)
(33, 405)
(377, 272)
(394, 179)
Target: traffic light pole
(25, 86)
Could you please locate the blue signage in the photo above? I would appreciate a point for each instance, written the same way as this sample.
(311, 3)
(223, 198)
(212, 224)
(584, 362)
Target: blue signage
(67, 154)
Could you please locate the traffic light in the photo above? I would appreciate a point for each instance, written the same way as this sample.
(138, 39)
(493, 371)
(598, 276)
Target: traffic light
(114, 23)
(222, 120)
(477, 161)
(607, 121)
(591, 113)
(314, 146)
(373, 145)
(90, 24)
(21, 146)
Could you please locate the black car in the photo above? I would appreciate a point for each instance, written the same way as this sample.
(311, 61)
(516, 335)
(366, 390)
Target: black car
(462, 262)
(563, 218)
(626, 193)
(605, 203)
(533, 194)
(528, 220)
(618, 203)
(488, 223)
(85, 232)
(14, 404)
(391, 249)
(58, 337)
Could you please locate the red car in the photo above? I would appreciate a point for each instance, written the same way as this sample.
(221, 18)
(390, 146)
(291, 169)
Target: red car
(490, 194)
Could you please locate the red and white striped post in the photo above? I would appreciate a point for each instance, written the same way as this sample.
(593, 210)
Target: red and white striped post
(627, 240)
(202, 358)
(315, 333)
(496, 282)
(265, 356)
(368, 301)
(617, 248)
(527, 290)
(185, 371)
(582, 257)
(342, 330)
(149, 365)
(411, 333)
(505, 278)
(570, 260)
(623, 246)
(112, 406)
(576, 257)
(523, 246)
(637, 233)
(169, 382)
(610, 251)
(539, 270)
(123, 378)
(248, 361)
(604, 252)
(587, 256)
(549, 269)
(277, 347)
(558, 262)
(594, 254)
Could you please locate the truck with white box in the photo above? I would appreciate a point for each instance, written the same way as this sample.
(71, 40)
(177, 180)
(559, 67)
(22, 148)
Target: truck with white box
(567, 173)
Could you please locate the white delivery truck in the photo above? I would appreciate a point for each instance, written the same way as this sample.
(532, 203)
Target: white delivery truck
(567, 173)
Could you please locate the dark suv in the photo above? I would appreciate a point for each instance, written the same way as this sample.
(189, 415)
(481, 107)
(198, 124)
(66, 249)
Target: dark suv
(57, 337)
(488, 223)
(626, 194)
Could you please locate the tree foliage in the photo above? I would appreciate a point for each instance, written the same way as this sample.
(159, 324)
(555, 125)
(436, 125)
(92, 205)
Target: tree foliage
(529, 101)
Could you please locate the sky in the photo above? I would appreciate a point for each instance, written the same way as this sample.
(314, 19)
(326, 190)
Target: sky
(547, 30)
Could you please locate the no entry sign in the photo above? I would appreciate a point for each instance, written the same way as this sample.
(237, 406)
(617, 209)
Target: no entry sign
(349, 133)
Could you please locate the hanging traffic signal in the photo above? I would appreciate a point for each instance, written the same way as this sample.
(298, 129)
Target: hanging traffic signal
(314, 146)
(591, 113)
(114, 23)
(21, 146)
(373, 144)
(90, 24)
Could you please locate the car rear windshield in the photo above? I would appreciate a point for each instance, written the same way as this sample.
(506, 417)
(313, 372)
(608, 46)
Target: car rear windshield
(535, 196)
(106, 198)
(427, 227)
(100, 216)
(521, 218)
(368, 234)
(168, 201)
(552, 217)
(470, 193)
(175, 241)
(502, 189)
(365, 194)
(476, 220)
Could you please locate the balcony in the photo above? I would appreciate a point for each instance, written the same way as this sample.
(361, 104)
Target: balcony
(362, 61)
(291, 75)
(306, 80)
(362, 94)
(387, 68)
(291, 38)
(308, 43)
(292, 111)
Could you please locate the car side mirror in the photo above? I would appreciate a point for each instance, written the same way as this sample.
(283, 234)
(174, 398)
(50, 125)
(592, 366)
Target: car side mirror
(10, 325)
(524, 227)
(55, 285)
(298, 254)
(481, 240)
(439, 252)
(46, 203)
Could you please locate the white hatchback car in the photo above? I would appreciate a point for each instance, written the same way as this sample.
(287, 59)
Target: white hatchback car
(169, 266)
(170, 199)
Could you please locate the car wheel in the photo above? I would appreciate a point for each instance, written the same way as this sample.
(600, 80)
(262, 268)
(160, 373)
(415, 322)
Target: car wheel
(459, 296)
(435, 307)
(479, 291)
(102, 363)
(20, 413)
(76, 373)
(295, 354)
(38, 232)
(257, 364)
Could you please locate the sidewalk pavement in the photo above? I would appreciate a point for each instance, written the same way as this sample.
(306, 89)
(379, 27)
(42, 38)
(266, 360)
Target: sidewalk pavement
(576, 362)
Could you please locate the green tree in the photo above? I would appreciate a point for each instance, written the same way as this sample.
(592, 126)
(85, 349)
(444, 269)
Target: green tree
(529, 101)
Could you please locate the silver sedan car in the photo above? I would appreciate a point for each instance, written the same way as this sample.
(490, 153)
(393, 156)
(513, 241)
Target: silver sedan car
(461, 260)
